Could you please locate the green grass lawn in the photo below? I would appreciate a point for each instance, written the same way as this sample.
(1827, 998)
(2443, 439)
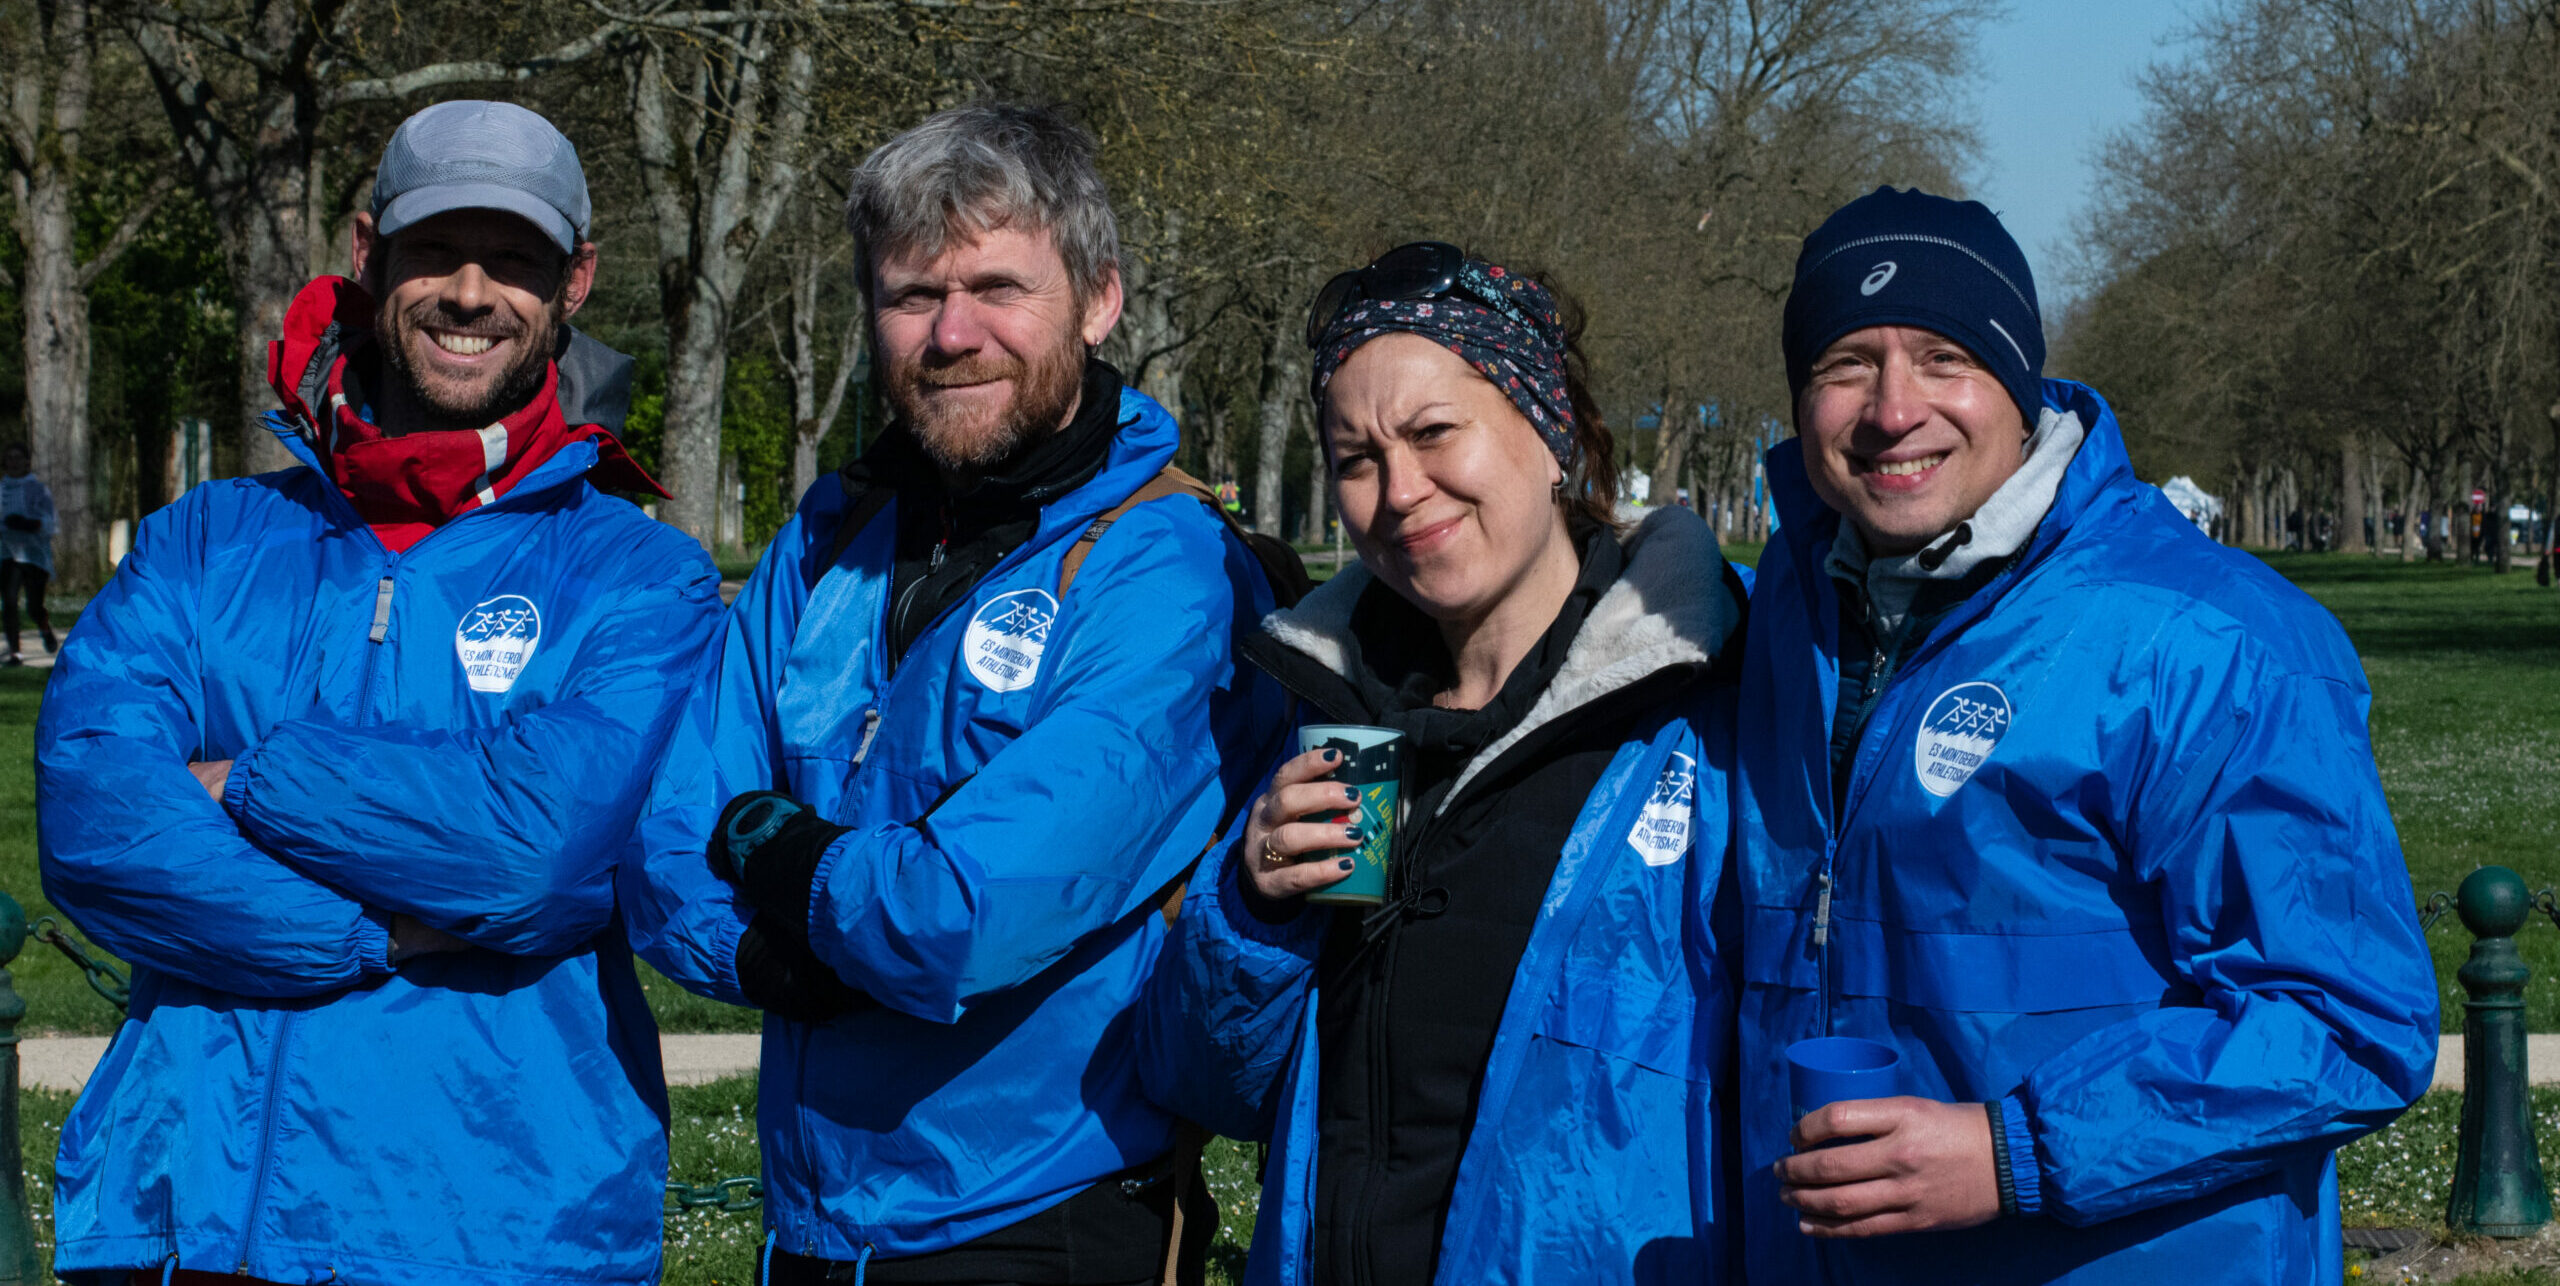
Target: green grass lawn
(2465, 668)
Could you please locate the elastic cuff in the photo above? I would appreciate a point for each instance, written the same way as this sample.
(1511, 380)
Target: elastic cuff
(782, 875)
(722, 956)
(235, 788)
(2018, 1143)
(1267, 922)
(371, 940)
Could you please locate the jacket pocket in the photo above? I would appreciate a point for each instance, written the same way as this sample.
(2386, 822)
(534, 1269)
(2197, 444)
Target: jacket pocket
(2009, 973)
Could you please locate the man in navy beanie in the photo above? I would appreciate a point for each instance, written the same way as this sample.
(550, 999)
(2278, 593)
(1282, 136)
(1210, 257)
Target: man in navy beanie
(2069, 810)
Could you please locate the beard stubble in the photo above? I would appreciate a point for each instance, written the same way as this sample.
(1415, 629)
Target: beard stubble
(514, 386)
(966, 440)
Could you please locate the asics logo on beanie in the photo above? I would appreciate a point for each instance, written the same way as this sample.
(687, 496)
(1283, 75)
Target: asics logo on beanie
(1955, 272)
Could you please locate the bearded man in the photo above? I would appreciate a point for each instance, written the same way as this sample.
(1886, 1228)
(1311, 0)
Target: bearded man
(341, 760)
(973, 719)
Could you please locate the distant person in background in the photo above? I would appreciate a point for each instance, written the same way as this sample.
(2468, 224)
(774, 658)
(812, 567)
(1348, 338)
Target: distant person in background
(26, 549)
(2071, 807)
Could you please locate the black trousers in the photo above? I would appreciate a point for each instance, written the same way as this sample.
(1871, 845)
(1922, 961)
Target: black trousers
(28, 580)
(1111, 1234)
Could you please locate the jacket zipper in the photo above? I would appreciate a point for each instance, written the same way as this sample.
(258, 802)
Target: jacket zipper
(377, 632)
(1380, 1086)
(266, 1140)
(907, 599)
(1949, 624)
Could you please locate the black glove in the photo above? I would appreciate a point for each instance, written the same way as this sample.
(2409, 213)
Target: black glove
(783, 977)
(769, 846)
(21, 522)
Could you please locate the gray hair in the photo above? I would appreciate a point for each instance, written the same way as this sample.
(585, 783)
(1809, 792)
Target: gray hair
(981, 167)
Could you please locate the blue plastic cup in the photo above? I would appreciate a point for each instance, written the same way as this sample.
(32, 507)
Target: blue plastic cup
(1836, 1069)
(1373, 760)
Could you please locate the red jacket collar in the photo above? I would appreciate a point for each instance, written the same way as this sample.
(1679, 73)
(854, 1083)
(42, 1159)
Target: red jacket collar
(333, 314)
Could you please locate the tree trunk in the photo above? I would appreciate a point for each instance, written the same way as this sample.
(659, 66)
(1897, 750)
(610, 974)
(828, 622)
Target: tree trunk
(1671, 455)
(689, 447)
(2551, 514)
(2493, 527)
(715, 177)
(1284, 373)
(47, 113)
(1218, 451)
(56, 318)
(811, 419)
(1319, 481)
(2351, 496)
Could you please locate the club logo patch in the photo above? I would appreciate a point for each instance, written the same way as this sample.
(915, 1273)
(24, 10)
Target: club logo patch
(1962, 727)
(1006, 637)
(1661, 833)
(495, 641)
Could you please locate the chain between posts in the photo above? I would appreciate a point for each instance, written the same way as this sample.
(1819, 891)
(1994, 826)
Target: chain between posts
(728, 1196)
(2433, 909)
(2548, 903)
(104, 979)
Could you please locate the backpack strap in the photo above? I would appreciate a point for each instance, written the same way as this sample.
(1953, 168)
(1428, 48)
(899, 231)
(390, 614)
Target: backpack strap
(1169, 481)
(867, 504)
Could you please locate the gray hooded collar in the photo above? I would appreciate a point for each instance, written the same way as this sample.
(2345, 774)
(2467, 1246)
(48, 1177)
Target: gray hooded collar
(1669, 607)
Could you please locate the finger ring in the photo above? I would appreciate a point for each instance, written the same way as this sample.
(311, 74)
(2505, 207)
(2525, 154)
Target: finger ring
(1270, 858)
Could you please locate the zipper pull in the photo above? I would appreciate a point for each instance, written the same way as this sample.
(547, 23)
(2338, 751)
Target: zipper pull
(1822, 911)
(870, 729)
(934, 563)
(381, 611)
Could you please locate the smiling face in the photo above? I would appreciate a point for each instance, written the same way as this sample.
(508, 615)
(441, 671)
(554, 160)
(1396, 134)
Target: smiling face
(469, 305)
(983, 345)
(1906, 434)
(1444, 488)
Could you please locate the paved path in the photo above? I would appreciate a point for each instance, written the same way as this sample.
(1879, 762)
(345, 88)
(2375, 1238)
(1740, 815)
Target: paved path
(63, 1062)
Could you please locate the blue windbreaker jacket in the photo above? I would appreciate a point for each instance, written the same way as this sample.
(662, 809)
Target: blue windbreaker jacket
(1600, 1150)
(2115, 856)
(449, 733)
(1022, 792)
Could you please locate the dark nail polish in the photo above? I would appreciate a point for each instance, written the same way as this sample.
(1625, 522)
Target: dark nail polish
(1351, 793)
(1351, 833)
(1331, 755)
(1347, 863)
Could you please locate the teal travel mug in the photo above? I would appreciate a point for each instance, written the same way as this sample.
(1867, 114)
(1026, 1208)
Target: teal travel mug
(1373, 761)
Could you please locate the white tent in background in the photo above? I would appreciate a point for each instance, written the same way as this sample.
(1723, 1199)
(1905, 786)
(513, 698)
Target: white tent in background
(2191, 500)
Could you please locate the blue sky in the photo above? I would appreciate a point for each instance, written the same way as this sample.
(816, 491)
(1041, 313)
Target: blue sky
(2057, 75)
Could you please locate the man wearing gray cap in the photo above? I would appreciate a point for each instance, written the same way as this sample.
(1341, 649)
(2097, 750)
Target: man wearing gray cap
(341, 761)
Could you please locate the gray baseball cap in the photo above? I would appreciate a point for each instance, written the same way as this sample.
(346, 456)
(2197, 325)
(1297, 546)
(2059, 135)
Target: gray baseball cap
(469, 155)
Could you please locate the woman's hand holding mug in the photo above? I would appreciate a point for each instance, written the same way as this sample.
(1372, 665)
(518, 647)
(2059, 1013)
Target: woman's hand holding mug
(1286, 857)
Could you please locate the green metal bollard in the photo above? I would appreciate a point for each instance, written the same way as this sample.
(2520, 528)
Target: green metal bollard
(19, 1264)
(2498, 1190)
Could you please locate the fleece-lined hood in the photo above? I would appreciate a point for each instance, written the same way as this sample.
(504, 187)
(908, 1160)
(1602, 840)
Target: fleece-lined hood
(1676, 603)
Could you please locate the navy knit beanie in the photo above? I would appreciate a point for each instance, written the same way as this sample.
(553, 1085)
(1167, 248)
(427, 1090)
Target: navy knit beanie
(1911, 259)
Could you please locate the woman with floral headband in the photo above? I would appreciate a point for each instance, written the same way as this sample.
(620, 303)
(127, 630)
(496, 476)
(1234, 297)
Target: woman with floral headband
(1503, 1071)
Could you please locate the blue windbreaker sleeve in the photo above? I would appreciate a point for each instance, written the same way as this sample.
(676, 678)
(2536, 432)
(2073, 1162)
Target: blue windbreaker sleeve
(681, 919)
(504, 837)
(1072, 825)
(2287, 906)
(1225, 1004)
(128, 842)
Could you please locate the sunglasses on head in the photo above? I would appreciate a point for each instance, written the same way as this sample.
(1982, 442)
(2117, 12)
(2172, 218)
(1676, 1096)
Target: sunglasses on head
(1415, 270)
